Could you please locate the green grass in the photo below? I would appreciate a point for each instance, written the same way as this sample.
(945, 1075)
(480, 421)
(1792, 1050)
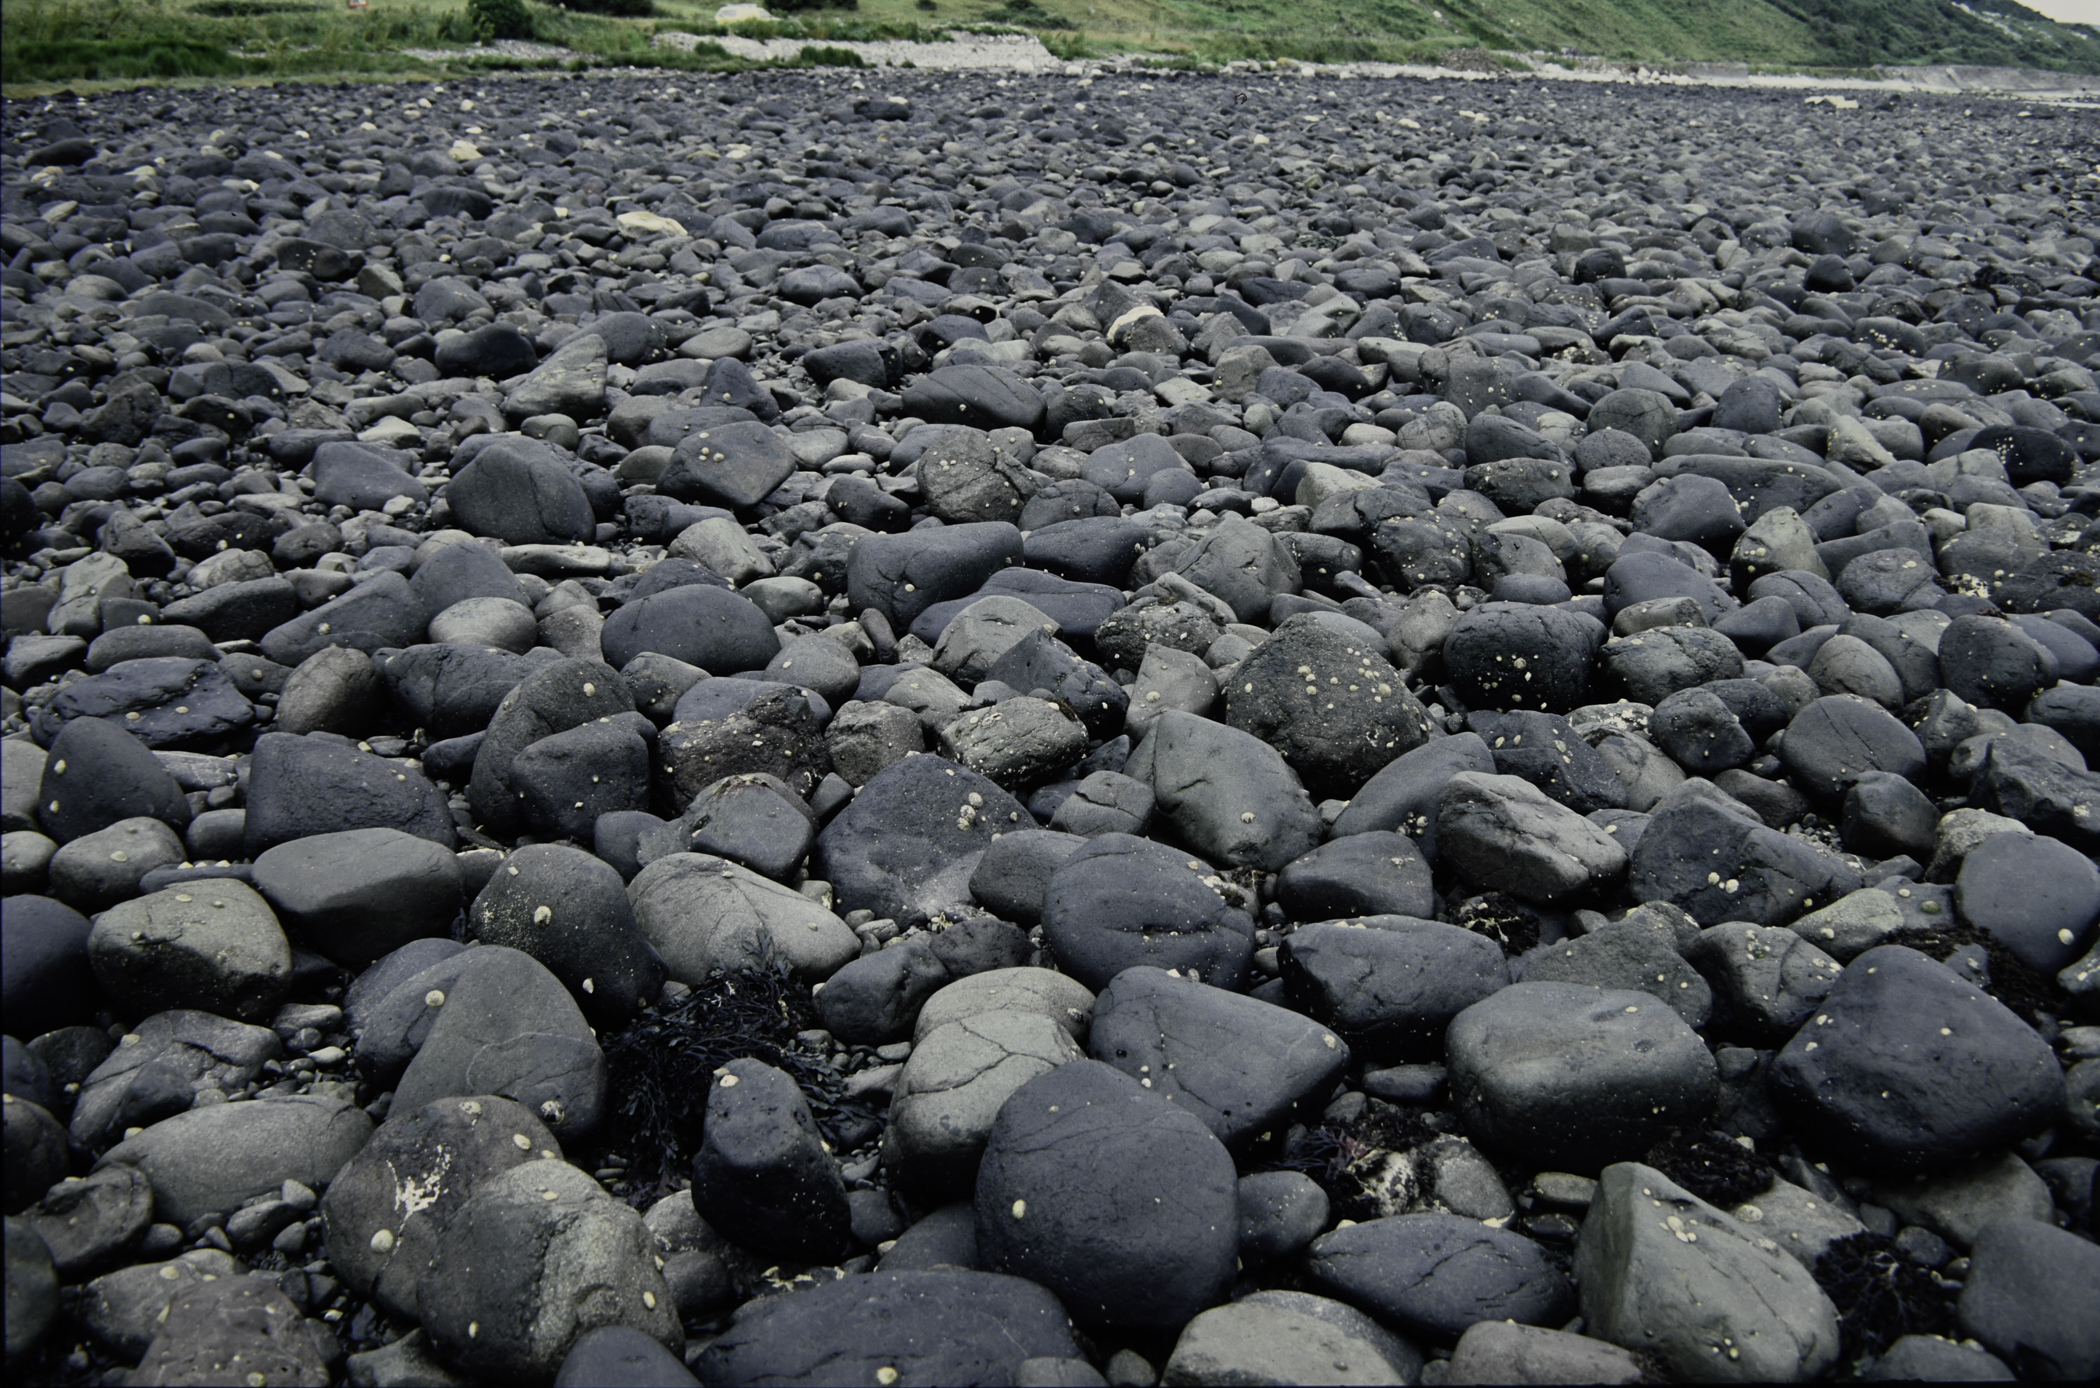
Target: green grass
(47, 43)
(1794, 35)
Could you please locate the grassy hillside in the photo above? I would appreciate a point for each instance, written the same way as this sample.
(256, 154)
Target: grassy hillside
(1813, 33)
(47, 42)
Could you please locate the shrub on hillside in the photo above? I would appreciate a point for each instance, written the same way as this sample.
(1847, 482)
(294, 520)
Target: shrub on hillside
(501, 19)
(619, 9)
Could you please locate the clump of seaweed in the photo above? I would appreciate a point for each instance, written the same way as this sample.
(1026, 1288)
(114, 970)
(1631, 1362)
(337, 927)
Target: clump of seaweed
(1503, 919)
(1881, 1295)
(1712, 1166)
(1366, 1165)
(660, 1068)
(2014, 982)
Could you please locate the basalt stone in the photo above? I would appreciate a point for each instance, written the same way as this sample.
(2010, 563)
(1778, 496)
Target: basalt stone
(1662, 1272)
(732, 465)
(1288, 1337)
(570, 911)
(379, 614)
(874, 1000)
(451, 691)
(34, 1153)
(163, 701)
(386, 1211)
(2025, 783)
(958, 1077)
(1405, 795)
(1237, 562)
(1013, 875)
(1839, 738)
(240, 1326)
(89, 1222)
(518, 492)
(967, 478)
(362, 476)
(1628, 955)
(2036, 895)
(1657, 663)
(215, 945)
(302, 786)
(1504, 830)
(763, 1176)
(96, 774)
(1374, 873)
(1389, 984)
(1227, 794)
(568, 780)
(1647, 576)
(46, 981)
(1113, 1198)
(1123, 901)
(1040, 661)
(1240, 1065)
(907, 845)
(1545, 750)
(622, 1354)
(901, 576)
(505, 1026)
(1018, 743)
(536, 1258)
(176, 1055)
(947, 1325)
(982, 396)
(555, 698)
(703, 913)
(1517, 655)
(2030, 1297)
(699, 625)
(740, 727)
(753, 819)
(215, 1159)
(1436, 1275)
(1908, 1066)
(1576, 1076)
(1767, 981)
(1337, 724)
(1719, 864)
(456, 573)
(99, 870)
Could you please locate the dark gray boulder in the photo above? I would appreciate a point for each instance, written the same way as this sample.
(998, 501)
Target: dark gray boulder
(1576, 1076)
(1121, 1203)
(302, 786)
(763, 1176)
(1242, 1066)
(1908, 1066)
(926, 1326)
(517, 490)
(570, 911)
(1122, 901)
(386, 1211)
(1389, 984)
(908, 844)
(1436, 1275)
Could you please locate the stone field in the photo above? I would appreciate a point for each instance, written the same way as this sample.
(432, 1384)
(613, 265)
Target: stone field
(836, 727)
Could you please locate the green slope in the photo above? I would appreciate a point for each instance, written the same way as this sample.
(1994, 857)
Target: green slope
(1806, 33)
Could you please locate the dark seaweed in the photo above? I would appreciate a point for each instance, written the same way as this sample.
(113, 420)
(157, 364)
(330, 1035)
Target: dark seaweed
(1881, 1295)
(1714, 1167)
(661, 1067)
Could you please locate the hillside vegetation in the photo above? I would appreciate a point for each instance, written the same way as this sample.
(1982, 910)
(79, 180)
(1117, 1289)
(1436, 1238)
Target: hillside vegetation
(1807, 33)
(56, 41)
